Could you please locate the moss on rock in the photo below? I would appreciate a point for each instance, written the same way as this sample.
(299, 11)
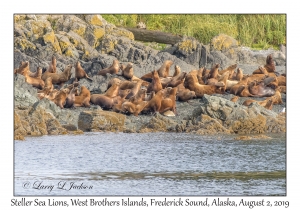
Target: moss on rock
(223, 42)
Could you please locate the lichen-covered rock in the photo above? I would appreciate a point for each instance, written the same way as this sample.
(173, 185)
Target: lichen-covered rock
(101, 121)
(223, 42)
(94, 20)
(249, 125)
(207, 125)
(158, 123)
(67, 48)
(36, 122)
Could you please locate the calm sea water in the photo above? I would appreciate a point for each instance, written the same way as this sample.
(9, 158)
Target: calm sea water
(168, 164)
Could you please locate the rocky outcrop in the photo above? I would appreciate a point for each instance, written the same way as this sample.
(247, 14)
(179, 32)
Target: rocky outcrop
(101, 121)
(35, 122)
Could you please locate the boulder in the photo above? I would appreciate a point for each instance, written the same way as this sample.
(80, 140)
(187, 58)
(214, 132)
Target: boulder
(101, 121)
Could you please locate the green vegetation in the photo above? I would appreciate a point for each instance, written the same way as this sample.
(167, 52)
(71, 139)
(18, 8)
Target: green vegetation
(259, 31)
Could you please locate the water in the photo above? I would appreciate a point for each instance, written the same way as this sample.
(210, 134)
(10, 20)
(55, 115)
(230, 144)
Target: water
(157, 164)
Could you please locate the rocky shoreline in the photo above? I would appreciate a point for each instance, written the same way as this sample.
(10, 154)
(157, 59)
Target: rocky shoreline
(96, 43)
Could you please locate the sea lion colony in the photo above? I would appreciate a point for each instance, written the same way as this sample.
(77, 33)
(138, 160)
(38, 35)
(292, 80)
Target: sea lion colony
(156, 91)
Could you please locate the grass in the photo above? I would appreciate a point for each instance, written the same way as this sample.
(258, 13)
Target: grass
(260, 31)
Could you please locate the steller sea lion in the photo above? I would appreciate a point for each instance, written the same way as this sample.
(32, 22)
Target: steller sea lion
(61, 96)
(60, 78)
(164, 70)
(24, 66)
(155, 103)
(113, 90)
(135, 109)
(169, 103)
(35, 82)
(277, 97)
(134, 90)
(267, 103)
(80, 72)
(229, 68)
(127, 72)
(113, 81)
(123, 93)
(113, 69)
(185, 94)
(239, 74)
(155, 85)
(192, 84)
(84, 98)
(177, 71)
(234, 99)
(52, 65)
(177, 80)
(260, 90)
(48, 86)
(106, 102)
(281, 80)
(71, 98)
(282, 89)
(214, 71)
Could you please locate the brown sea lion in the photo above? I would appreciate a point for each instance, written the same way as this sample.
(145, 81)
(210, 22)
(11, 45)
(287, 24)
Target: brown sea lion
(71, 98)
(113, 69)
(61, 96)
(135, 109)
(113, 90)
(127, 72)
(177, 71)
(184, 94)
(164, 70)
(282, 89)
(84, 98)
(113, 81)
(155, 103)
(281, 80)
(277, 97)
(267, 103)
(125, 84)
(124, 93)
(139, 97)
(235, 87)
(80, 72)
(234, 99)
(270, 64)
(35, 82)
(239, 74)
(52, 94)
(214, 71)
(169, 103)
(165, 81)
(134, 90)
(243, 91)
(48, 86)
(155, 85)
(24, 66)
(52, 65)
(229, 68)
(149, 96)
(37, 73)
(60, 78)
(260, 90)
(175, 81)
(105, 102)
(192, 84)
